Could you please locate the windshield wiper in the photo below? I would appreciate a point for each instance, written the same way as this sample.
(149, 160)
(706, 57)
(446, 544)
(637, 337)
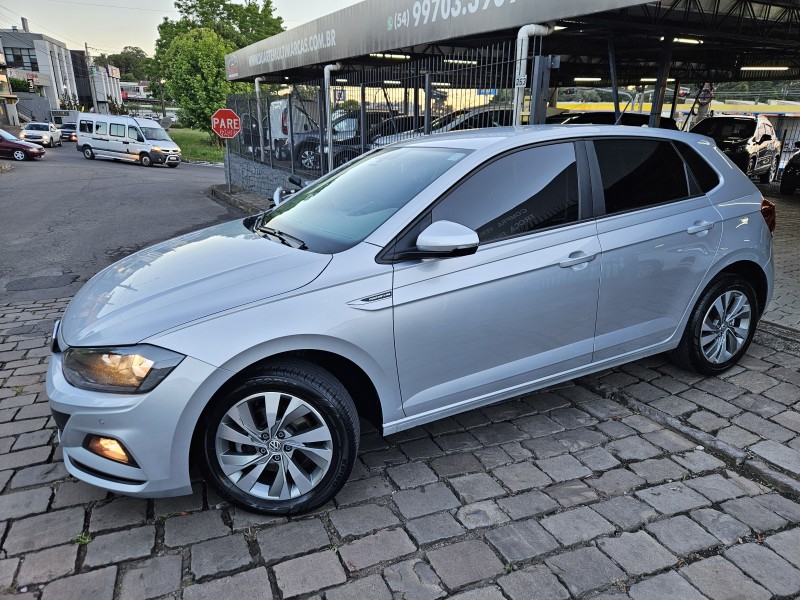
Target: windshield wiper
(283, 238)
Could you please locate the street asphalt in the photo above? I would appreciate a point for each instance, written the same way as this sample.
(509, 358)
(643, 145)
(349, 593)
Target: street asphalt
(643, 482)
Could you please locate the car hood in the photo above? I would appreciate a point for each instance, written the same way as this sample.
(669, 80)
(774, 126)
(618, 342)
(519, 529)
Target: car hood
(29, 145)
(184, 279)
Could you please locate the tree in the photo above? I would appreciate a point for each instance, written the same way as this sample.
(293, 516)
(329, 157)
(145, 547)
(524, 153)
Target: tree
(197, 75)
(18, 84)
(240, 24)
(132, 62)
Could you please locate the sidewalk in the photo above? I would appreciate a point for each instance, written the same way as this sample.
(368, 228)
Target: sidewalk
(576, 492)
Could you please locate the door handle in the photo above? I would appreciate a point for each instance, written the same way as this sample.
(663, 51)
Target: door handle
(576, 258)
(699, 226)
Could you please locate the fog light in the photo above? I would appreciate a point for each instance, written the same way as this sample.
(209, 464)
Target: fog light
(111, 449)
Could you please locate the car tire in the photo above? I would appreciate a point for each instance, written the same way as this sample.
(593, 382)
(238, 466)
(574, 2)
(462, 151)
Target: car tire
(88, 153)
(769, 176)
(18, 155)
(788, 185)
(49, 143)
(720, 327)
(307, 158)
(60, 142)
(284, 475)
(146, 160)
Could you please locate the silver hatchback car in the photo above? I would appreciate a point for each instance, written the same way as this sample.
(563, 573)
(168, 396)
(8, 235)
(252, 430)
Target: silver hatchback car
(416, 282)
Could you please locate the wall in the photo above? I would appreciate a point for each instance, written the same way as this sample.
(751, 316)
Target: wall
(33, 105)
(253, 176)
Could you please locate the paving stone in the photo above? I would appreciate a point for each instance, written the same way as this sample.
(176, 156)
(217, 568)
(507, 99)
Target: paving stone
(97, 585)
(372, 549)
(359, 520)
(632, 448)
(44, 566)
(720, 580)
(368, 587)
(538, 425)
(577, 525)
(521, 476)
(464, 562)
(120, 546)
(764, 428)
(425, 500)
(753, 381)
(529, 504)
(492, 457)
(579, 395)
(178, 505)
(411, 475)
(243, 519)
(383, 458)
(24, 458)
(571, 493)
(434, 528)
(584, 570)
(787, 544)
(545, 447)
(637, 553)
(17, 427)
(766, 567)
(789, 419)
(674, 406)
(179, 531)
(297, 537)
(481, 514)
(22, 504)
(625, 512)
(572, 418)
(516, 451)
(507, 411)
(309, 573)
(410, 580)
(759, 405)
(669, 440)
(616, 481)
(707, 421)
(420, 449)
(672, 498)
(715, 487)
(647, 393)
(498, 433)
(575, 440)
(472, 419)
(364, 489)
(484, 593)
(71, 493)
(253, 585)
(597, 459)
(737, 437)
(536, 582)
(784, 507)
(38, 475)
(716, 405)
(521, 540)
(616, 429)
(456, 464)
(667, 586)
(682, 535)
(722, 526)
(754, 515)
(563, 468)
(472, 488)
(641, 423)
(458, 442)
(778, 454)
(34, 438)
(121, 512)
(543, 402)
(151, 578)
(750, 487)
(220, 555)
(48, 529)
(656, 470)
(719, 387)
(785, 393)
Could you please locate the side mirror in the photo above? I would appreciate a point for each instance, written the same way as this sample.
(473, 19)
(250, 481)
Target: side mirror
(445, 239)
(295, 180)
(277, 197)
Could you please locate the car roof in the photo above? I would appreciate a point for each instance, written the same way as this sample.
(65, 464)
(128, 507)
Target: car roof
(38, 123)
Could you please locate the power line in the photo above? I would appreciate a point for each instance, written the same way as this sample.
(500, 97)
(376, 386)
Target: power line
(160, 10)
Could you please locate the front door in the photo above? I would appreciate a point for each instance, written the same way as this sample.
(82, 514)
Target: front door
(522, 308)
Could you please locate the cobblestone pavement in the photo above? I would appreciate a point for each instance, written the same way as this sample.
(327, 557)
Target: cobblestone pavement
(568, 493)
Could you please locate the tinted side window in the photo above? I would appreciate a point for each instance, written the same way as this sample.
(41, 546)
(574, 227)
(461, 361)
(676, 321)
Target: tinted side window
(706, 177)
(101, 128)
(86, 126)
(117, 130)
(516, 194)
(638, 173)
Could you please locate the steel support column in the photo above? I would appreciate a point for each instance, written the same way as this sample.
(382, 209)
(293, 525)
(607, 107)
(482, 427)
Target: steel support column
(661, 83)
(612, 64)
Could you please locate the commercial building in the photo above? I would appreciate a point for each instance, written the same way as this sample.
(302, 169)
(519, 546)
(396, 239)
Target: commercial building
(8, 110)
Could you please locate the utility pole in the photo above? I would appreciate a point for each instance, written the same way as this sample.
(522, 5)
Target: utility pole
(91, 78)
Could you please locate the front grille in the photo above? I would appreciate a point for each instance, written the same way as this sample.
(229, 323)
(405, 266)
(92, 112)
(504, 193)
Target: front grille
(60, 419)
(100, 475)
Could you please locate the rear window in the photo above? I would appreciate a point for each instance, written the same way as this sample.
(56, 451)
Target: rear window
(705, 177)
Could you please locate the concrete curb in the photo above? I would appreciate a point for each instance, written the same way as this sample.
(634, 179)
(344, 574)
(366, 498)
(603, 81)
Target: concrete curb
(248, 202)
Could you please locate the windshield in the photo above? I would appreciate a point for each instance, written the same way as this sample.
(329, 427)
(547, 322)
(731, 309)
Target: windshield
(7, 136)
(156, 134)
(68, 126)
(37, 127)
(343, 209)
(724, 129)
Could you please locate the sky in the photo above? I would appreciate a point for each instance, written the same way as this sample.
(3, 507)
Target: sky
(76, 22)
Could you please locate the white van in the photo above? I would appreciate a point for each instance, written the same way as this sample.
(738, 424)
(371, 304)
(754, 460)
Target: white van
(305, 116)
(126, 138)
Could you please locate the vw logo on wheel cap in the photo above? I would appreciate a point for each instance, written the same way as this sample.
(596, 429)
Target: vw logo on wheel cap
(275, 445)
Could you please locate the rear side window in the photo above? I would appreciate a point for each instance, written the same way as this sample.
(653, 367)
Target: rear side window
(101, 128)
(86, 127)
(637, 173)
(706, 177)
(117, 130)
(516, 194)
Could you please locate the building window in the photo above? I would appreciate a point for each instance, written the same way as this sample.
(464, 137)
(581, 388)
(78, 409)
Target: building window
(22, 58)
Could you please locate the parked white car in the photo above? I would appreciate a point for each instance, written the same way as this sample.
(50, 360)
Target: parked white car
(46, 134)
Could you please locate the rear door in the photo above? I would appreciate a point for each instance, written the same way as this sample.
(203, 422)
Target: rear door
(658, 233)
(521, 308)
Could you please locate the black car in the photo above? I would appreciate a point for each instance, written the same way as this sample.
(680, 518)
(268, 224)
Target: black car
(601, 117)
(790, 180)
(750, 142)
(69, 132)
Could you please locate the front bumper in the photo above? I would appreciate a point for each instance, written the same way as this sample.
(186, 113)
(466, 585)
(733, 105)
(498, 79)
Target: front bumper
(161, 158)
(156, 428)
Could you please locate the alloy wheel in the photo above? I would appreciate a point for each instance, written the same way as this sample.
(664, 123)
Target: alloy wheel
(18, 155)
(274, 446)
(726, 327)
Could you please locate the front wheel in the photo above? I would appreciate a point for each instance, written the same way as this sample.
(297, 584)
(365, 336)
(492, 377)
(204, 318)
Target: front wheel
(18, 155)
(146, 160)
(720, 328)
(88, 153)
(769, 176)
(284, 441)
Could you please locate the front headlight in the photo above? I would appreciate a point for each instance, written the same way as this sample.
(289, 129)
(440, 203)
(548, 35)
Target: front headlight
(21, 134)
(122, 369)
(156, 149)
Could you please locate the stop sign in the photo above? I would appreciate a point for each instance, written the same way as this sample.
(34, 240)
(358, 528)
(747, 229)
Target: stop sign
(225, 123)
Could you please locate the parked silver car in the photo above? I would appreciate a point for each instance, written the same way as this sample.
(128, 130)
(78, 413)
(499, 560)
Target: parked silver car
(418, 281)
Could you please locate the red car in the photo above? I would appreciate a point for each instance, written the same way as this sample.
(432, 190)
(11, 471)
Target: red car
(18, 149)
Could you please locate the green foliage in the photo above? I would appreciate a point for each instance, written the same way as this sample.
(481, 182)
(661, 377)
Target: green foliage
(197, 145)
(349, 105)
(82, 539)
(18, 84)
(240, 24)
(132, 62)
(70, 102)
(197, 82)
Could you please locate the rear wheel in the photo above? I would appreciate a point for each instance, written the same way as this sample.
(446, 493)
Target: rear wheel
(88, 153)
(146, 160)
(284, 441)
(18, 155)
(769, 176)
(50, 143)
(720, 327)
(307, 158)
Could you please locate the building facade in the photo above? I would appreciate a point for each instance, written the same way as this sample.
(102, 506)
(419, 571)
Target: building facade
(8, 110)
